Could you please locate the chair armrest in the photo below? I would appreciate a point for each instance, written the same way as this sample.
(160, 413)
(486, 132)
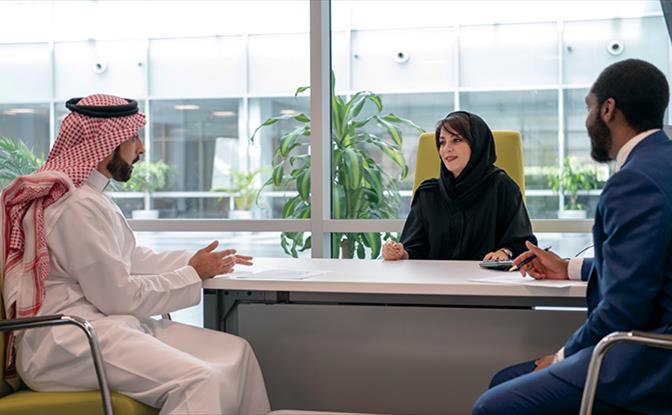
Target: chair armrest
(663, 341)
(87, 328)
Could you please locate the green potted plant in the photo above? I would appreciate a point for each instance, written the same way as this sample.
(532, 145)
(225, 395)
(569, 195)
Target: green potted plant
(361, 188)
(147, 177)
(244, 192)
(573, 179)
(16, 159)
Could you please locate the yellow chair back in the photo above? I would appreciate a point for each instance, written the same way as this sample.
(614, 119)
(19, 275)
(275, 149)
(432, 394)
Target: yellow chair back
(508, 146)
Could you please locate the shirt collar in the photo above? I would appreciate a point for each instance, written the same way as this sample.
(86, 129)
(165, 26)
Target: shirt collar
(624, 152)
(97, 180)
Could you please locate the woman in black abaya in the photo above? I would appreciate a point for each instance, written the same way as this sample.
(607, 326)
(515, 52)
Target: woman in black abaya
(473, 211)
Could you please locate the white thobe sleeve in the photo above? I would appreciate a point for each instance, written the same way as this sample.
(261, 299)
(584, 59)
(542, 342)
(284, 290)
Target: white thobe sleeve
(93, 255)
(148, 261)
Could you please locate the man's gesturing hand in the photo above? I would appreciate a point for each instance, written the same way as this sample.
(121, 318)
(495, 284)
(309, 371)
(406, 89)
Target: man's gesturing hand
(207, 262)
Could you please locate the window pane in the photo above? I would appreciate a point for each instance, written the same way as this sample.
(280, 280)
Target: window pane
(403, 60)
(590, 46)
(534, 114)
(197, 67)
(264, 159)
(113, 67)
(26, 73)
(278, 63)
(194, 136)
(28, 123)
(498, 56)
(22, 124)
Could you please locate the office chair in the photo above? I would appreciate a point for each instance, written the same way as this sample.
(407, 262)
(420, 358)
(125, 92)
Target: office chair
(663, 341)
(508, 146)
(27, 402)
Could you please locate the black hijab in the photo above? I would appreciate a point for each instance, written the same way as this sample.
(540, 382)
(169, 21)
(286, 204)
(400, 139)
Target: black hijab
(465, 217)
(462, 190)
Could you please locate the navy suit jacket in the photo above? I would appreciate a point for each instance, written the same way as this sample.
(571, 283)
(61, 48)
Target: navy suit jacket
(630, 283)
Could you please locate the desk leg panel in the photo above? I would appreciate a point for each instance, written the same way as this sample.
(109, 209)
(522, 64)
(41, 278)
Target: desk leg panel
(390, 359)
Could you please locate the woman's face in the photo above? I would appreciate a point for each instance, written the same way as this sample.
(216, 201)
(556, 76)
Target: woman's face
(454, 150)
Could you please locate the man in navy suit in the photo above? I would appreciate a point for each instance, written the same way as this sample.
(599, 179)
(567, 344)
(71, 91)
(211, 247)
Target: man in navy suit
(630, 278)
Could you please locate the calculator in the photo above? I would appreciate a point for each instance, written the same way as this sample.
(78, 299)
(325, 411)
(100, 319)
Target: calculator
(497, 265)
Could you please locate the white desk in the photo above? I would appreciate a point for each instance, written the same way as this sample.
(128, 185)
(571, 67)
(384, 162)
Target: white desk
(412, 337)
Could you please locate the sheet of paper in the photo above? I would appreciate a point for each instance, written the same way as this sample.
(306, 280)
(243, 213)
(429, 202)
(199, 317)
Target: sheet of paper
(515, 278)
(276, 274)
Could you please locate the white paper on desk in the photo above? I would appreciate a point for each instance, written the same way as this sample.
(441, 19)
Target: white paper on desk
(277, 274)
(519, 280)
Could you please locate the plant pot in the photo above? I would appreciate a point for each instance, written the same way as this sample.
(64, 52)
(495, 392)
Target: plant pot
(145, 214)
(240, 214)
(572, 214)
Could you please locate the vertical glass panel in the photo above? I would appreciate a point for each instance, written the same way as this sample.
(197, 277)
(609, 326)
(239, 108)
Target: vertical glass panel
(509, 55)
(534, 114)
(186, 134)
(113, 67)
(403, 60)
(584, 169)
(197, 67)
(26, 73)
(340, 63)
(577, 143)
(278, 64)
(590, 46)
(26, 124)
(272, 149)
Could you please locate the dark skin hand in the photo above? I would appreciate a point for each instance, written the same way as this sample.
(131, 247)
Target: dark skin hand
(546, 266)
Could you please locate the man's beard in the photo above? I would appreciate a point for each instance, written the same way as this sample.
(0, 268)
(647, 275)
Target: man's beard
(600, 140)
(120, 169)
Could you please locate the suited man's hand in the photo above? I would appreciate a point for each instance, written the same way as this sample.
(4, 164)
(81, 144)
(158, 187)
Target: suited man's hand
(544, 362)
(546, 266)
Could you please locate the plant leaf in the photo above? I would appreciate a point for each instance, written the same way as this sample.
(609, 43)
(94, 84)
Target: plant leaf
(300, 90)
(351, 159)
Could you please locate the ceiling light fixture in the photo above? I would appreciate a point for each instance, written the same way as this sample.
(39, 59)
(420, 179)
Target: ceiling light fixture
(223, 113)
(15, 111)
(186, 107)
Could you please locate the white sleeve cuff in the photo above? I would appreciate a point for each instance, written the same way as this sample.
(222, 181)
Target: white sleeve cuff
(574, 269)
(559, 356)
(188, 275)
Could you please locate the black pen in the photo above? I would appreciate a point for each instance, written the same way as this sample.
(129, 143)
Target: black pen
(526, 261)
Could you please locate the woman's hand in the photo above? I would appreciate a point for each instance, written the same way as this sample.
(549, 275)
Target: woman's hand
(394, 251)
(498, 255)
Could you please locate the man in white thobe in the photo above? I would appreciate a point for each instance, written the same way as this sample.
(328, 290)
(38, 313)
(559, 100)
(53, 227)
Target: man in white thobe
(97, 272)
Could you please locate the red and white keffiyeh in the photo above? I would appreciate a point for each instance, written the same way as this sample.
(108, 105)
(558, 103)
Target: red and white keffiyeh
(82, 143)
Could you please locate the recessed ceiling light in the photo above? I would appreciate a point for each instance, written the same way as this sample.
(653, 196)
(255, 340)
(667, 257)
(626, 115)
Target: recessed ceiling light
(186, 107)
(288, 112)
(223, 113)
(14, 111)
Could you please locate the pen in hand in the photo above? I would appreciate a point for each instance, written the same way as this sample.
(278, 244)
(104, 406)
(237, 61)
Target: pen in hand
(526, 261)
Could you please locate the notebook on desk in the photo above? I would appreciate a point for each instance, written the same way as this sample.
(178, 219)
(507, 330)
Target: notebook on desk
(497, 265)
